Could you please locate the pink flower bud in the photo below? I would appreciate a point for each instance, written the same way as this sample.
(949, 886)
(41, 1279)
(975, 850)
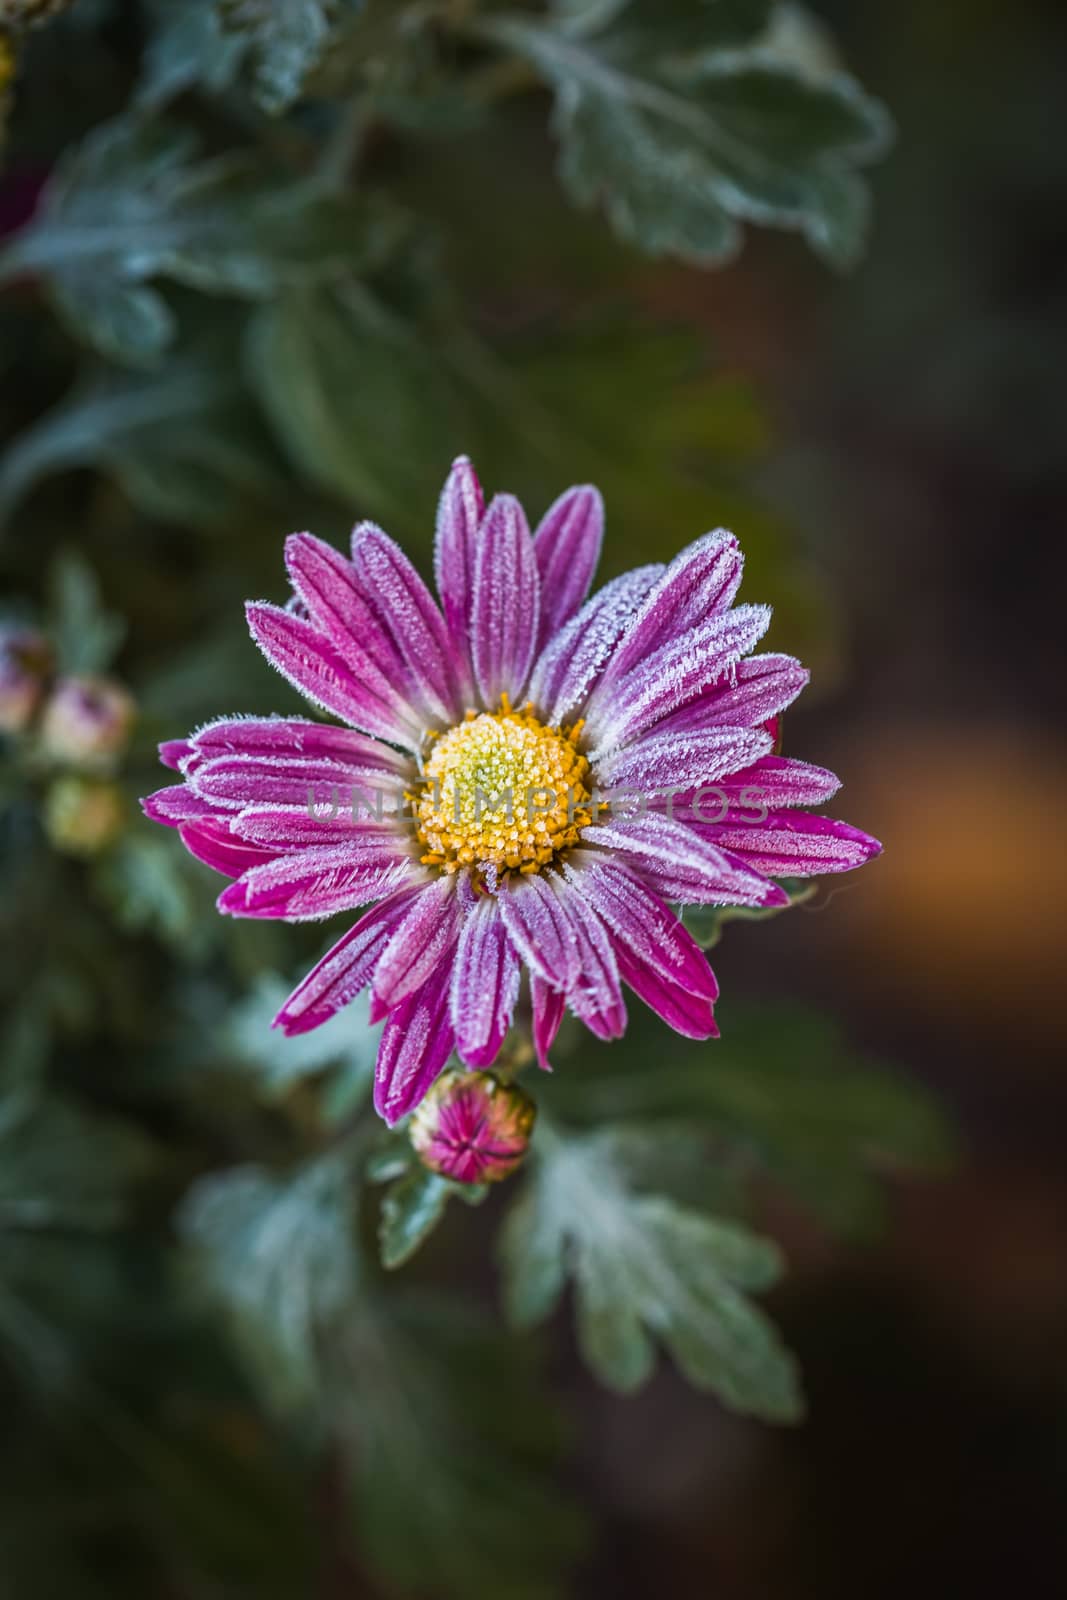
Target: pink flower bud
(25, 663)
(472, 1127)
(87, 720)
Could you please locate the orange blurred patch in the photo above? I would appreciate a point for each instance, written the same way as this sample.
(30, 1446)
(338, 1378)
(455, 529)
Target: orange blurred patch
(965, 908)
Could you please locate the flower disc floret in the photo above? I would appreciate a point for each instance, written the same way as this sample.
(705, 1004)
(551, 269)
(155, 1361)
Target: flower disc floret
(503, 791)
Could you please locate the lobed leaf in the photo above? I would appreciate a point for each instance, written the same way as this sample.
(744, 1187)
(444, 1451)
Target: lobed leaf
(645, 1270)
(131, 204)
(681, 147)
(286, 41)
(187, 49)
(278, 1253)
(347, 1043)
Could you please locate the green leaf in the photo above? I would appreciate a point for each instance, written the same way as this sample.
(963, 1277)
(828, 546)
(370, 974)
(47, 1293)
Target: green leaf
(185, 444)
(428, 1394)
(187, 49)
(278, 1254)
(645, 1270)
(104, 199)
(675, 1157)
(150, 887)
(87, 637)
(287, 40)
(783, 1089)
(706, 923)
(681, 150)
(412, 1208)
(363, 402)
(664, 26)
(347, 1043)
(656, 192)
(585, 16)
(130, 204)
(390, 1157)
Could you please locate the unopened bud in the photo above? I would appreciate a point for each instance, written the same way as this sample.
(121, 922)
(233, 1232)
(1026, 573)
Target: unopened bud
(25, 663)
(472, 1127)
(87, 721)
(82, 816)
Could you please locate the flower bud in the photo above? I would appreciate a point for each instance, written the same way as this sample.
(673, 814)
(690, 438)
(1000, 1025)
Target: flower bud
(472, 1127)
(82, 816)
(25, 663)
(87, 721)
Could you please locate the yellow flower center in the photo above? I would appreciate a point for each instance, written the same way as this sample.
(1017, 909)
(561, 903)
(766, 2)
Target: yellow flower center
(502, 792)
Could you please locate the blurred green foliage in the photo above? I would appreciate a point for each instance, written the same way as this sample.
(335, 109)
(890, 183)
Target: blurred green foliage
(264, 285)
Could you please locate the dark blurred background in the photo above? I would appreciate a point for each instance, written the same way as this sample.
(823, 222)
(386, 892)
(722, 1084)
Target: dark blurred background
(919, 430)
(901, 447)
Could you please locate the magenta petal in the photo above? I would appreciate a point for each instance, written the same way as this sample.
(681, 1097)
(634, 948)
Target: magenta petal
(345, 970)
(422, 941)
(311, 885)
(772, 783)
(283, 738)
(485, 984)
(351, 686)
(211, 841)
(680, 760)
(761, 687)
(325, 582)
(176, 804)
(622, 709)
(699, 584)
(593, 994)
(688, 1014)
(409, 612)
(681, 865)
(505, 613)
(540, 929)
(642, 924)
(567, 545)
(316, 784)
(791, 844)
(280, 827)
(548, 1007)
(172, 752)
(416, 1042)
(459, 515)
(569, 667)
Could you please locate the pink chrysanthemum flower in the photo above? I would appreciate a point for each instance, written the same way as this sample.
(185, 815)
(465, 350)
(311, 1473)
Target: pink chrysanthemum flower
(479, 742)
